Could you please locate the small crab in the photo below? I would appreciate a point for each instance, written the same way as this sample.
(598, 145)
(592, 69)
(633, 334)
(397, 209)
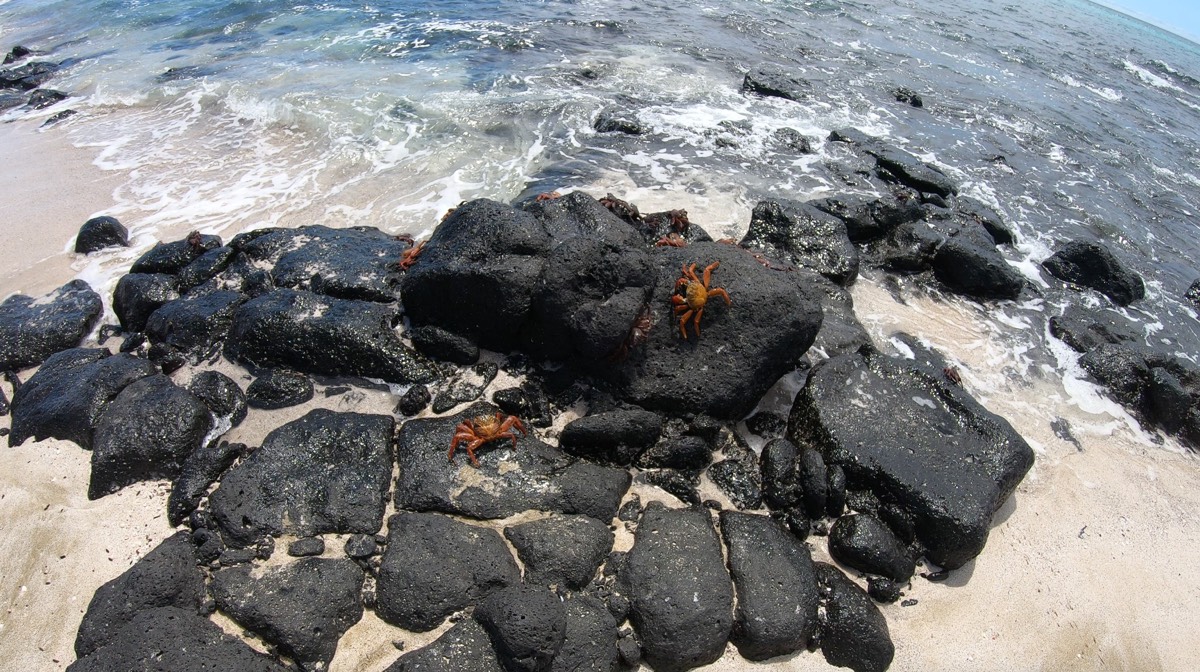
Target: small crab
(638, 333)
(409, 256)
(623, 209)
(671, 240)
(195, 240)
(951, 373)
(677, 219)
(547, 196)
(481, 429)
(695, 295)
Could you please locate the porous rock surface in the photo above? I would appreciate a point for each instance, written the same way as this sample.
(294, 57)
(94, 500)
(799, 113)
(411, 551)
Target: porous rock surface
(465, 647)
(527, 626)
(1093, 265)
(33, 329)
(854, 633)
(561, 550)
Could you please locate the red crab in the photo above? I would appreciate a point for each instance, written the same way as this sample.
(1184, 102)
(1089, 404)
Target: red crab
(695, 296)
(671, 240)
(547, 196)
(951, 373)
(637, 335)
(481, 429)
(409, 256)
(623, 209)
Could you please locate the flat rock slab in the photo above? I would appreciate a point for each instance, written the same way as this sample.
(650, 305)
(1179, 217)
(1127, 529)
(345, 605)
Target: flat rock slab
(33, 329)
(465, 647)
(561, 550)
(322, 335)
(303, 607)
(533, 476)
(435, 565)
(680, 593)
(915, 441)
(68, 394)
(326, 472)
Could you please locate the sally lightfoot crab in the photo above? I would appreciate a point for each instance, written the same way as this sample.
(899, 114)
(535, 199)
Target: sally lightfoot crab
(481, 429)
(695, 295)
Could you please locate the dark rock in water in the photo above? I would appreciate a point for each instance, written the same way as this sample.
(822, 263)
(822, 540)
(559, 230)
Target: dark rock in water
(814, 482)
(527, 626)
(465, 647)
(205, 267)
(138, 295)
(414, 400)
(323, 335)
(854, 633)
(835, 503)
(772, 80)
(147, 432)
(803, 235)
(170, 258)
(590, 643)
(435, 565)
(70, 392)
(438, 343)
(1085, 329)
(841, 332)
(911, 248)
(33, 329)
(194, 323)
(1193, 294)
(870, 219)
(168, 638)
(615, 122)
(990, 219)
(915, 441)
(17, 53)
(29, 76)
(776, 586)
(544, 478)
(616, 436)
(1167, 401)
(1121, 369)
(166, 577)
(98, 233)
(681, 595)
(306, 547)
(861, 541)
(738, 475)
(780, 474)
(904, 94)
(9, 100)
(690, 453)
(221, 394)
(1093, 265)
(681, 484)
(794, 140)
(562, 551)
(911, 171)
(969, 263)
(43, 98)
(201, 469)
(59, 116)
(324, 473)
(277, 388)
(302, 608)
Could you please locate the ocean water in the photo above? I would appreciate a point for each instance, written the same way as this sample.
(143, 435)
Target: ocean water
(1073, 121)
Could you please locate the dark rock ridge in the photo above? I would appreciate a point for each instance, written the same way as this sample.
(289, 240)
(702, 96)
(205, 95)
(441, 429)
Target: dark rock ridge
(803, 235)
(897, 165)
(1093, 265)
(773, 81)
(170, 258)
(916, 442)
(194, 322)
(200, 470)
(33, 329)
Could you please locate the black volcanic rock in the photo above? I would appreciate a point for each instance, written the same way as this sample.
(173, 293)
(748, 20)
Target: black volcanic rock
(465, 647)
(780, 474)
(167, 576)
(617, 436)
(221, 394)
(1093, 265)
(1085, 329)
(544, 478)
(170, 258)
(28, 76)
(904, 94)
(677, 452)
(194, 323)
(854, 633)
(278, 388)
(33, 329)
(201, 469)
(205, 267)
(773, 81)
(805, 236)
(813, 476)
(302, 607)
(911, 171)
(590, 644)
(911, 248)
(776, 586)
(1192, 295)
(861, 541)
(991, 220)
(610, 121)
(527, 626)
(326, 472)
(168, 638)
(1121, 369)
(681, 484)
(738, 474)
(138, 295)
(561, 550)
(69, 393)
(969, 263)
(100, 232)
(435, 565)
(147, 432)
(681, 595)
(322, 335)
(441, 344)
(915, 441)
(869, 219)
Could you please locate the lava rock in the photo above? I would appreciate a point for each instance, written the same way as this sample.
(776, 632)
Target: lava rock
(70, 392)
(861, 541)
(465, 647)
(147, 432)
(200, 469)
(467, 386)
(911, 171)
(687, 452)
(100, 232)
(435, 565)
(326, 472)
(1192, 295)
(883, 590)
(991, 220)
(360, 546)
(841, 332)
(911, 248)
(835, 503)
(527, 626)
(322, 335)
(29, 76)
(590, 642)
(194, 323)
(969, 263)
(794, 140)
(1085, 329)
(205, 267)
(613, 122)
(414, 400)
(544, 478)
(775, 583)
(869, 219)
(170, 258)
(780, 474)
(854, 633)
(813, 478)
(166, 577)
(914, 440)
(681, 484)
(42, 98)
(138, 295)
(1167, 400)
(1093, 265)
(561, 550)
(681, 595)
(221, 394)
(616, 437)
(306, 547)
(738, 476)
(302, 608)
(33, 329)
(906, 95)
(803, 235)
(441, 344)
(1121, 369)
(773, 81)
(278, 388)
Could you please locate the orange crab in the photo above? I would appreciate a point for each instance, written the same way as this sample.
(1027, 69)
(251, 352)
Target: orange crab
(481, 429)
(409, 256)
(695, 295)
(547, 196)
(671, 240)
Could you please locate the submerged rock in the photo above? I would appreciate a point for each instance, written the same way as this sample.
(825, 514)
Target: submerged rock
(33, 329)
(774, 81)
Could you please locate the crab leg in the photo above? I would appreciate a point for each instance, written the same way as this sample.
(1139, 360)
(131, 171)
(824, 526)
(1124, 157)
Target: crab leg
(721, 293)
(708, 272)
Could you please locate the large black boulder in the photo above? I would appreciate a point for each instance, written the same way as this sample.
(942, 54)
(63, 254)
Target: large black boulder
(1093, 265)
(33, 329)
(221, 394)
(465, 647)
(170, 258)
(69, 393)
(968, 262)
(680, 593)
(775, 583)
(435, 565)
(100, 232)
(534, 475)
(869, 219)
(1085, 329)
(303, 607)
(563, 551)
(194, 323)
(917, 442)
(803, 235)
(278, 388)
(166, 577)
(28, 76)
(773, 81)
(527, 625)
(205, 267)
(854, 633)
(910, 171)
(138, 295)
(147, 432)
(322, 335)
(326, 472)
(616, 436)
(861, 541)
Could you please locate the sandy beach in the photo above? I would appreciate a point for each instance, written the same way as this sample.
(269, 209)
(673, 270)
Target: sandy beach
(1089, 566)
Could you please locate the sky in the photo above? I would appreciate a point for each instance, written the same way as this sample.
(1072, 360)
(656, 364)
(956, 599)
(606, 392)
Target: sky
(1178, 16)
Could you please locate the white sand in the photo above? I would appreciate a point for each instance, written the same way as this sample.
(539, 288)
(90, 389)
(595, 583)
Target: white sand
(1089, 566)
